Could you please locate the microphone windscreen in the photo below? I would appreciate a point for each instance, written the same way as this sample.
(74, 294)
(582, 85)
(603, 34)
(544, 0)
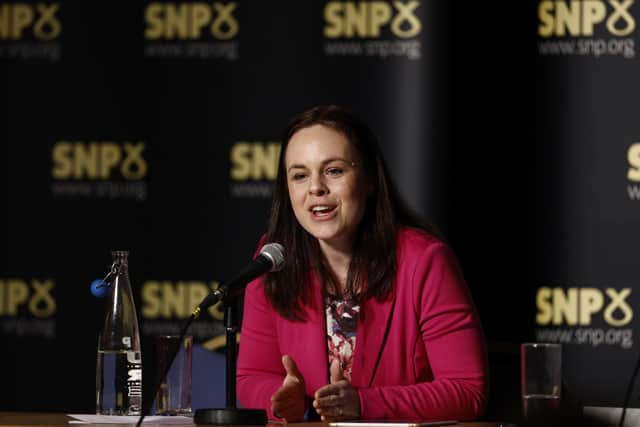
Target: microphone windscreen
(275, 252)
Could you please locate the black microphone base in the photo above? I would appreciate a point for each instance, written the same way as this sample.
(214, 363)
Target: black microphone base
(231, 416)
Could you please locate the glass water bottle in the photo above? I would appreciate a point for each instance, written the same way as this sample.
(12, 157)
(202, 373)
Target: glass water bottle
(119, 366)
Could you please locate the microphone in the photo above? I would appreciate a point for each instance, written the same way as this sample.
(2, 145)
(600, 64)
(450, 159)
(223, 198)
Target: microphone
(271, 258)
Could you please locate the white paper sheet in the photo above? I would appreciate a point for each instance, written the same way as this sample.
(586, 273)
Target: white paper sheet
(392, 424)
(126, 419)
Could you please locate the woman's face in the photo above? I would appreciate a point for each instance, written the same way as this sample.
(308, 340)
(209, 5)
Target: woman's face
(327, 185)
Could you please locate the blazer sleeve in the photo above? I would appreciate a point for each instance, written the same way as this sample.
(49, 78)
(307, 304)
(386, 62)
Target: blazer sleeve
(454, 342)
(260, 372)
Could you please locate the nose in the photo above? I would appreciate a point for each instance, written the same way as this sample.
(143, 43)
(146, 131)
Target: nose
(317, 186)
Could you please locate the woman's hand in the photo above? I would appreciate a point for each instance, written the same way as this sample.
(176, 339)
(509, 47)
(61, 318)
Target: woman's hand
(338, 400)
(288, 401)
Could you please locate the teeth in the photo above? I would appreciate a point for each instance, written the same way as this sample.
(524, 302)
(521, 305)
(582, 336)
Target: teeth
(320, 208)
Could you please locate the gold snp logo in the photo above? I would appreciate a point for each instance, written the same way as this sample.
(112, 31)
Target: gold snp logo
(34, 295)
(168, 300)
(633, 157)
(578, 18)
(577, 306)
(98, 160)
(366, 19)
(254, 161)
(18, 20)
(190, 20)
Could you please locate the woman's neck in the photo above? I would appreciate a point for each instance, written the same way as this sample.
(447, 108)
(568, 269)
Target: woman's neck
(338, 261)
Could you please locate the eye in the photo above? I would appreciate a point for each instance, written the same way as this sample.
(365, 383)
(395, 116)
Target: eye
(334, 171)
(298, 176)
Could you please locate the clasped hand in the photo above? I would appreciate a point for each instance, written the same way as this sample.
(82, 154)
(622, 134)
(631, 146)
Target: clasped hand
(338, 400)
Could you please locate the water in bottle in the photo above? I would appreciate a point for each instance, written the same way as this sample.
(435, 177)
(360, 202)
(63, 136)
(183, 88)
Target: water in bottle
(119, 363)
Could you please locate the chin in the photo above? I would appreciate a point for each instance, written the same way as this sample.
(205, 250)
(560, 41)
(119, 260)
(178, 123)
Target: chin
(325, 235)
(331, 238)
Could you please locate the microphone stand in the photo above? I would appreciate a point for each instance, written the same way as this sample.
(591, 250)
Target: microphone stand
(230, 415)
(172, 355)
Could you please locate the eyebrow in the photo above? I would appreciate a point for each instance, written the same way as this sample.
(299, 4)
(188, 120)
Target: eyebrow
(324, 162)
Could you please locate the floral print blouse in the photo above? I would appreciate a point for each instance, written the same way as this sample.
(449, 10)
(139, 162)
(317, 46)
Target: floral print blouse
(342, 322)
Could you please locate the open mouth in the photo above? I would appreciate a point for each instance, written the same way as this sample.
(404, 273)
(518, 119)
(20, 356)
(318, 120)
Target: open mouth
(320, 211)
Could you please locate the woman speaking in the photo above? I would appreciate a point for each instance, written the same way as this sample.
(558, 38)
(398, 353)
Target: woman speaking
(370, 317)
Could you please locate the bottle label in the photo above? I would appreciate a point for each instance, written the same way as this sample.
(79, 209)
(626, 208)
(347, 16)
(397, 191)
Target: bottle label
(134, 371)
(119, 383)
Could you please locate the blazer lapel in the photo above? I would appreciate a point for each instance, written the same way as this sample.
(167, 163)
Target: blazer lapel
(373, 326)
(312, 336)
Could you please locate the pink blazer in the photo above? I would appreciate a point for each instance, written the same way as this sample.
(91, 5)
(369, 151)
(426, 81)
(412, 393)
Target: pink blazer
(419, 355)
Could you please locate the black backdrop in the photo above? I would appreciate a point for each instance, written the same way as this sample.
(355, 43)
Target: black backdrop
(154, 126)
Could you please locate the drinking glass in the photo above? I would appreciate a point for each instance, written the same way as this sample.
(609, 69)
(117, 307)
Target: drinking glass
(174, 393)
(541, 379)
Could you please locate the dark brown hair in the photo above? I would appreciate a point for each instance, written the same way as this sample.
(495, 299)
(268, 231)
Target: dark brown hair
(373, 262)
